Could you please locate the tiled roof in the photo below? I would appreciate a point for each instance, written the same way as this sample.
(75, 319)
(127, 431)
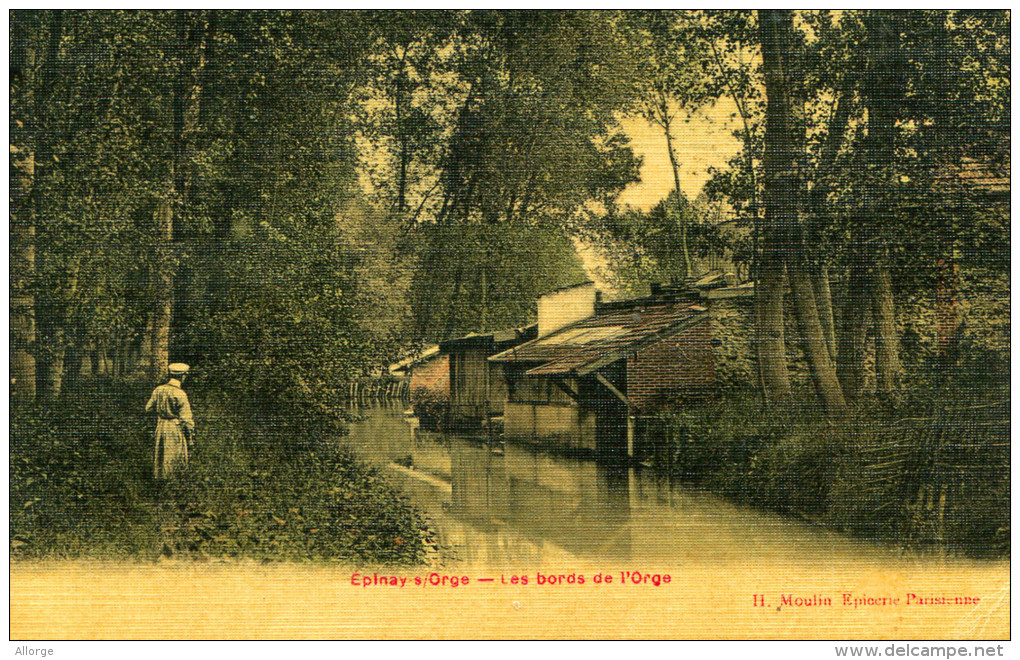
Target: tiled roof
(610, 335)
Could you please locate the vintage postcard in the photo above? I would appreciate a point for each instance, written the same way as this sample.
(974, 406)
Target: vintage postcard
(479, 324)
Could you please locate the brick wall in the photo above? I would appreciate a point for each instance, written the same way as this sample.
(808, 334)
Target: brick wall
(681, 367)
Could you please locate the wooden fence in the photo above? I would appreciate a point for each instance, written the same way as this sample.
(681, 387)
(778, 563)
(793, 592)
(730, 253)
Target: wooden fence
(378, 389)
(949, 469)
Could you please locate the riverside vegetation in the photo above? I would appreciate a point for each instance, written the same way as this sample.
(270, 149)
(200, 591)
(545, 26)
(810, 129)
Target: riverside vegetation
(265, 487)
(931, 472)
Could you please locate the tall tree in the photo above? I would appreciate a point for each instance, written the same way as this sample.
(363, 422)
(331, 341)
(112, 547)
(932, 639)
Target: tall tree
(672, 65)
(184, 99)
(22, 177)
(882, 89)
(406, 83)
(527, 143)
(785, 196)
(50, 123)
(781, 189)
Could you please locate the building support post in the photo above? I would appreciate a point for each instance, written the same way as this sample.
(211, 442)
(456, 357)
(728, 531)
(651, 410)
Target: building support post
(631, 423)
(631, 410)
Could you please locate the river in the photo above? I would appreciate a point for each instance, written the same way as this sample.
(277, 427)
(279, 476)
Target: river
(511, 506)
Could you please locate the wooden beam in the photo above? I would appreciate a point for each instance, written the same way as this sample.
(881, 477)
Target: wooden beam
(612, 388)
(558, 382)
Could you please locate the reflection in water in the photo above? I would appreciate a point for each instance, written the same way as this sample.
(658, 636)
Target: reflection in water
(581, 507)
(510, 506)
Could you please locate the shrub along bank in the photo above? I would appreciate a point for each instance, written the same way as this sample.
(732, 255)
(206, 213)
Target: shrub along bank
(268, 487)
(928, 474)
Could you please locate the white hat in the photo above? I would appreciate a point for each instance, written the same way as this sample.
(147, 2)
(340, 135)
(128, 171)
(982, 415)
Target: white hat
(178, 369)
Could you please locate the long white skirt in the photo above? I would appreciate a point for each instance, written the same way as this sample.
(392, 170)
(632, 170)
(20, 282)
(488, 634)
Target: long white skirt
(171, 453)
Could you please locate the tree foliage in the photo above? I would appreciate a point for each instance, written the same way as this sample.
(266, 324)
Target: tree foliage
(490, 131)
(362, 180)
(251, 160)
(193, 182)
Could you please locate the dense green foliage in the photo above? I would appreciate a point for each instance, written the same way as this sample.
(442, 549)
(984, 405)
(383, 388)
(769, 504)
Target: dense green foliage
(268, 487)
(486, 133)
(478, 277)
(217, 162)
(648, 247)
(223, 118)
(931, 472)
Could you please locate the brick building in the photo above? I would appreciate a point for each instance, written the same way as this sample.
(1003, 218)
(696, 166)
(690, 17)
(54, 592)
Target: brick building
(595, 367)
(680, 367)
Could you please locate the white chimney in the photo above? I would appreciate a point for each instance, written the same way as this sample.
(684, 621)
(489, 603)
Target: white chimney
(564, 306)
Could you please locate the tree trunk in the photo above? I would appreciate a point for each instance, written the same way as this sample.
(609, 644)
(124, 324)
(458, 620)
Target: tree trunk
(451, 314)
(50, 366)
(485, 302)
(853, 332)
(756, 335)
(823, 297)
(49, 351)
(185, 114)
(22, 253)
(401, 100)
(779, 199)
(193, 33)
(821, 216)
(823, 370)
(75, 363)
(887, 348)
(22, 308)
(54, 340)
(771, 333)
(681, 220)
(883, 93)
(778, 202)
(51, 345)
(162, 294)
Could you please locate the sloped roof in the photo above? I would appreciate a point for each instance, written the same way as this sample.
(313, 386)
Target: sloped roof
(597, 341)
(425, 355)
(499, 339)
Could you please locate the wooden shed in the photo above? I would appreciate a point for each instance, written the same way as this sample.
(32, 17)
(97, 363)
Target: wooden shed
(476, 393)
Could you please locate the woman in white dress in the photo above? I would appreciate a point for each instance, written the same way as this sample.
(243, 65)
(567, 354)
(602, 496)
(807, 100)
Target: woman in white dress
(175, 427)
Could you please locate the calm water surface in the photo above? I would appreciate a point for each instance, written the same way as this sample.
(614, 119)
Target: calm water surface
(511, 506)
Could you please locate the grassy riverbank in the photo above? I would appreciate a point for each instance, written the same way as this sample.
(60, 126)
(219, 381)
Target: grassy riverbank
(921, 475)
(268, 487)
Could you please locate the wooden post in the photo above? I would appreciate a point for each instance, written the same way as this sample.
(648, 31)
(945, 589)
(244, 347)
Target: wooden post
(631, 409)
